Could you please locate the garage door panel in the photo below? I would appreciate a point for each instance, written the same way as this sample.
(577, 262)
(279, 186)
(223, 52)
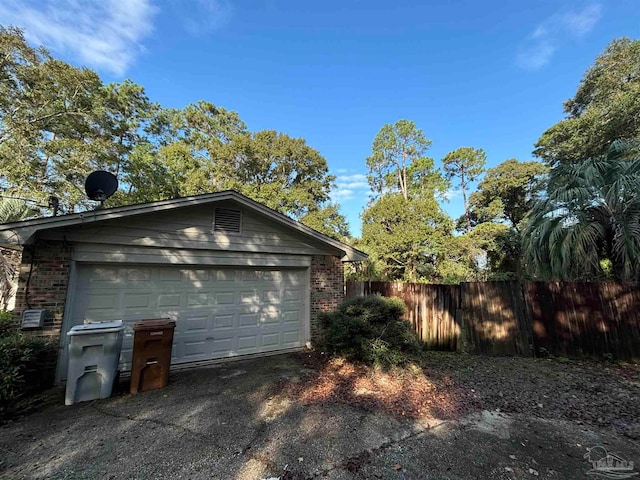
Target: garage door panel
(292, 295)
(195, 324)
(246, 342)
(223, 321)
(272, 296)
(102, 301)
(197, 300)
(249, 297)
(225, 298)
(222, 345)
(106, 276)
(170, 275)
(271, 340)
(195, 349)
(219, 312)
(195, 275)
(248, 320)
(291, 316)
(138, 300)
(228, 276)
(250, 275)
(135, 275)
(169, 300)
(291, 337)
(270, 315)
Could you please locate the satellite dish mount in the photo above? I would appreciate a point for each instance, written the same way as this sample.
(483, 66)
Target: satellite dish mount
(100, 185)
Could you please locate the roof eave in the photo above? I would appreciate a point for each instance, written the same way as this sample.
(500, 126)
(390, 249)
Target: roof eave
(23, 233)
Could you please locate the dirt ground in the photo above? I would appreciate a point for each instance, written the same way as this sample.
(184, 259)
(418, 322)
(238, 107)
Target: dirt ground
(304, 417)
(449, 385)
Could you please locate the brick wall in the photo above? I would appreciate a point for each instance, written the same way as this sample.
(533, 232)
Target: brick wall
(327, 288)
(49, 263)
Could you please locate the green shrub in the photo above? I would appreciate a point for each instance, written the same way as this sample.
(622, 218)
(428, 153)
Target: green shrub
(375, 309)
(370, 329)
(22, 361)
(7, 325)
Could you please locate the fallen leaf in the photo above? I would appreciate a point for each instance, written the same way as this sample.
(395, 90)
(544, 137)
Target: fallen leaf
(397, 466)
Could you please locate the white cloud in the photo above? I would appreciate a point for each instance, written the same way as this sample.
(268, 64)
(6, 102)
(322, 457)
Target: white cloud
(551, 34)
(581, 23)
(351, 186)
(342, 194)
(103, 34)
(200, 17)
(452, 193)
(536, 56)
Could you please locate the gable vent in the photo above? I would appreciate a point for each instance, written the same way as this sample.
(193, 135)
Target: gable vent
(226, 220)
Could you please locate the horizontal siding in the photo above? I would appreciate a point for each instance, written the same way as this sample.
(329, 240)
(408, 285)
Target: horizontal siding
(102, 253)
(191, 229)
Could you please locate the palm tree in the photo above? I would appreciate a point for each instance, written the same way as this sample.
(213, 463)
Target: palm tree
(11, 210)
(591, 213)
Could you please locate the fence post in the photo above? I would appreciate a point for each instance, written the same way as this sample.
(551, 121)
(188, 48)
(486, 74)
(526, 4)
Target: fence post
(462, 313)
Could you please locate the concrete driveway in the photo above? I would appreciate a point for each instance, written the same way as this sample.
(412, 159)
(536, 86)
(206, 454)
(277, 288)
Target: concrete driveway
(228, 422)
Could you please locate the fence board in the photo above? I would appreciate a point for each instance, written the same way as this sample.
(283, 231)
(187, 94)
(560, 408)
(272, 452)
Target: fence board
(495, 319)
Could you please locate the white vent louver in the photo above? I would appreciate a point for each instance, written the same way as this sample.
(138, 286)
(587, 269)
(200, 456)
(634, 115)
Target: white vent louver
(33, 318)
(226, 220)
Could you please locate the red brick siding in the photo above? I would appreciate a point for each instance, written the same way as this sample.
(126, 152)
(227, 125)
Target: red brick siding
(49, 263)
(327, 288)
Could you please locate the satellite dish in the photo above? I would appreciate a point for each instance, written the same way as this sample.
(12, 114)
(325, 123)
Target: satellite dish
(100, 185)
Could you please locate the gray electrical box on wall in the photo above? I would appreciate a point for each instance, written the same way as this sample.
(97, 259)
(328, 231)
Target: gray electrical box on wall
(33, 318)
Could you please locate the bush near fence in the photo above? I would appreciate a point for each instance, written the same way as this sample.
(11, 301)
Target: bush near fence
(521, 318)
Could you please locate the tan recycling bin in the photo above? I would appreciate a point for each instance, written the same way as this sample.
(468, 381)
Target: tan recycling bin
(151, 359)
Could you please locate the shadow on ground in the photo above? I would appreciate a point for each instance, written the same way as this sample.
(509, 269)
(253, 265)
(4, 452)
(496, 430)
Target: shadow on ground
(231, 422)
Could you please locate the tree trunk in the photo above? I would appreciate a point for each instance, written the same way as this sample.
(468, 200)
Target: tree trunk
(402, 177)
(466, 208)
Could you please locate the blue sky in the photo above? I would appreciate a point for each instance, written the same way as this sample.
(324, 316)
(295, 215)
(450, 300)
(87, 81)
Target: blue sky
(490, 74)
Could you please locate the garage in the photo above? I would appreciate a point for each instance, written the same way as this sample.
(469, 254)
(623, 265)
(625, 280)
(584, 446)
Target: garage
(219, 312)
(238, 278)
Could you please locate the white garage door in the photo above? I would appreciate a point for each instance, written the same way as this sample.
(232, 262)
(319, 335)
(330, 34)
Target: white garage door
(219, 312)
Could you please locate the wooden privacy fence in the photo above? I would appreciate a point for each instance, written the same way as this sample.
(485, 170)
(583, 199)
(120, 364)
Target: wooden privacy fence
(514, 318)
(575, 318)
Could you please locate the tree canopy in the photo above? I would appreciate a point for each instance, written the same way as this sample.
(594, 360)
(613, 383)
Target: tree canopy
(405, 237)
(507, 192)
(404, 228)
(565, 218)
(606, 107)
(59, 122)
(465, 164)
(397, 160)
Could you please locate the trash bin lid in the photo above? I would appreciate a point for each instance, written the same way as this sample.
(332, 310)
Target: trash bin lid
(154, 324)
(98, 327)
